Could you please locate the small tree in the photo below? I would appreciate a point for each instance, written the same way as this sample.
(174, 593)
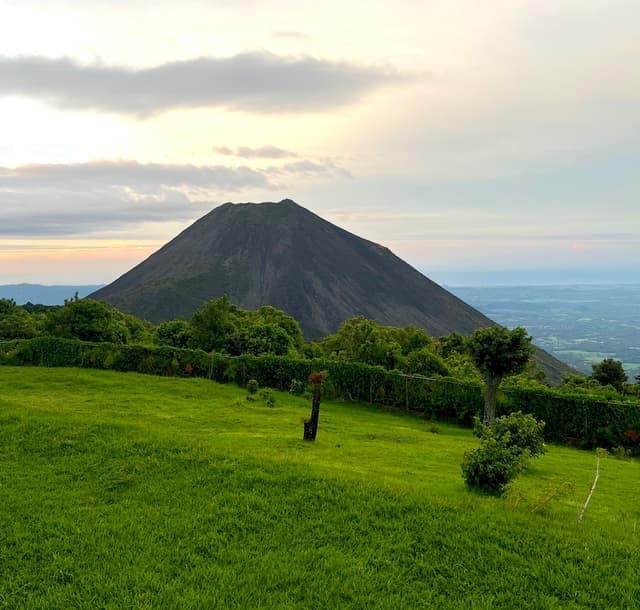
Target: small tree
(499, 352)
(311, 424)
(609, 372)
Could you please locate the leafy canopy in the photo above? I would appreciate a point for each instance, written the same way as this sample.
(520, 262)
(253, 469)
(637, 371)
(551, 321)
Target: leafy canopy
(498, 352)
(610, 372)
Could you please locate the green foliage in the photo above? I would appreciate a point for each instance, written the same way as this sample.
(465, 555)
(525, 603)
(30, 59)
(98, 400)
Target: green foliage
(455, 343)
(16, 322)
(610, 372)
(297, 387)
(462, 368)
(174, 333)
(410, 338)
(221, 326)
(88, 320)
(366, 341)
(621, 453)
(425, 362)
(499, 352)
(521, 430)
(252, 386)
(492, 465)
(580, 419)
(506, 444)
(212, 324)
(268, 397)
(575, 381)
(264, 338)
(270, 316)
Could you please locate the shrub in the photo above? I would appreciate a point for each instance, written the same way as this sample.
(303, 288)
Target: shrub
(506, 445)
(519, 430)
(268, 397)
(492, 465)
(252, 386)
(297, 387)
(621, 453)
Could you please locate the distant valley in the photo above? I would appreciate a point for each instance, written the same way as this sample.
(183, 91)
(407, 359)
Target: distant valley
(580, 324)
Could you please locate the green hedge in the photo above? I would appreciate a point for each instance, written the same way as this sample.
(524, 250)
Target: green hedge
(571, 419)
(577, 419)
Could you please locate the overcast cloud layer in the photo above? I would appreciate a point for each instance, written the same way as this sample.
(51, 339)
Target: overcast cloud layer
(253, 82)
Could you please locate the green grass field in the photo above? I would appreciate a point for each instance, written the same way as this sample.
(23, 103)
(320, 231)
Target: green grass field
(130, 491)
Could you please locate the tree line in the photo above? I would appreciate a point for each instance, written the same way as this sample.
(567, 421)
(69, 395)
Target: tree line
(488, 356)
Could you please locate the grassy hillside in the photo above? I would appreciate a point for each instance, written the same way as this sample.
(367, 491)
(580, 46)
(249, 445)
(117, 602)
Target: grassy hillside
(122, 490)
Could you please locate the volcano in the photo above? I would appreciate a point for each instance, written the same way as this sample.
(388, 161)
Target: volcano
(283, 255)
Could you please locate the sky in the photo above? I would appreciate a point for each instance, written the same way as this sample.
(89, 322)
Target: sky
(483, 142)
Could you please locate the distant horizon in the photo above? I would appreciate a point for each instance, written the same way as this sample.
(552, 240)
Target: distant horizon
(447, 279)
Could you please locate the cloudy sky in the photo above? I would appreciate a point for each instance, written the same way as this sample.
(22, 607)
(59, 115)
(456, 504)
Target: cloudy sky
(481, 141)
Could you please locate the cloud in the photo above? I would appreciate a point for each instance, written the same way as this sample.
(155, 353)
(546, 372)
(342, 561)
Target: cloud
(258, 82)
(262, 152)
(292, 34)
(103, 196)
(126, 173)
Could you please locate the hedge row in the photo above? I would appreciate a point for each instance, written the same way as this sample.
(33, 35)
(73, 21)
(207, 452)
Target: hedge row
(570, 419)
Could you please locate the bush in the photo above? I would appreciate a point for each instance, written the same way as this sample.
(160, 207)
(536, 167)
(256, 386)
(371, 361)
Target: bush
(506, 445)
(252, 386)
(492, 465)
(268, 397)
(297, 387)
(519, 430)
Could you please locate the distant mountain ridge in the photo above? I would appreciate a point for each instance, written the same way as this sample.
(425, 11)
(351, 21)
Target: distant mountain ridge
(42, 294)
(283, 255)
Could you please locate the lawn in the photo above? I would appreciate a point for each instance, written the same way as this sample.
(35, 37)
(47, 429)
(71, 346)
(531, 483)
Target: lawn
(120, 490)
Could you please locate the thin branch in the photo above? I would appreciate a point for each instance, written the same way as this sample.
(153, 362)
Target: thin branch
(595, 480)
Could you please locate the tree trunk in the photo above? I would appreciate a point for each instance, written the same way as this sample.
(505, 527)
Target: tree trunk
(311, 424)
(490, 398)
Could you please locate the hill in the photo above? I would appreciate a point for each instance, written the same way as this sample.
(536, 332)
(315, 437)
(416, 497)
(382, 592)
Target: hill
(281, 254)
(125, 490)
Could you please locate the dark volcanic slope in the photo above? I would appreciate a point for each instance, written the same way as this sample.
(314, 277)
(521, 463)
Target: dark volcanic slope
(281, 254)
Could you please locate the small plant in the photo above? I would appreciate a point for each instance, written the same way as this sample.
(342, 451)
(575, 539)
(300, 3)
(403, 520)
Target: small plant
(297, 387)
(434, 428)
(268, 397)
(538, 504)
(252, 386)
(621, 453)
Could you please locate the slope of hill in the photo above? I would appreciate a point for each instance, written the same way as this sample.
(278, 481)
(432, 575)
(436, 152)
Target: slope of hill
(281, 254)
(132, 491)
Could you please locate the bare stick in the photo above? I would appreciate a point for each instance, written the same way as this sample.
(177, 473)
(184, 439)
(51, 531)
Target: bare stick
(591, 492)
